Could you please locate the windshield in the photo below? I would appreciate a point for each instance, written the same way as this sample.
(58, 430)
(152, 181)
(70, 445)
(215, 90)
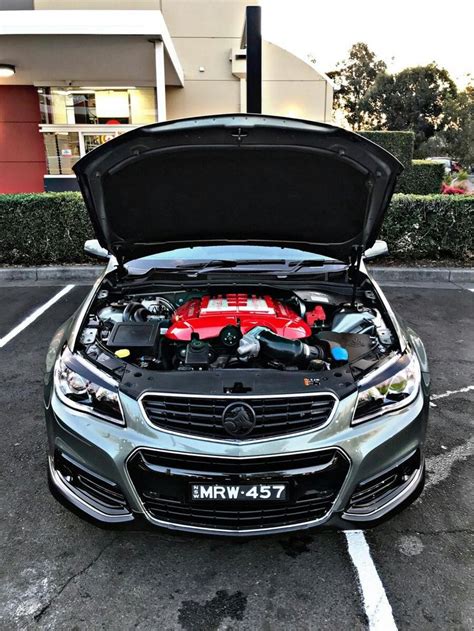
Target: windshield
(257, 254)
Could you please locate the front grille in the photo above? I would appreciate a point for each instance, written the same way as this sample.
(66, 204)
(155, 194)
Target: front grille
(163, 480)
(371, 494)
(94, 489)
(202, 416)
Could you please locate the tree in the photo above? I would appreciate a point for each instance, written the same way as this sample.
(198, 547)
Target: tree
(354, 76)
(414, 99)
(458, 136)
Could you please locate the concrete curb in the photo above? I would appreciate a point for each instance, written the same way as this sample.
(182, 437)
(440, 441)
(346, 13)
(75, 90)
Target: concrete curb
(85, 273)
(423, 274)
(73, 273)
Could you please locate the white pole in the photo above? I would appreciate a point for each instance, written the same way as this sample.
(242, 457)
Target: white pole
(160, 81)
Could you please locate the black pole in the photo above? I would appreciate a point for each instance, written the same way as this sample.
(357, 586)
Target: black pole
(254, 59)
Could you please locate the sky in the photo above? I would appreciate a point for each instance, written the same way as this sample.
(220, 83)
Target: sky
(401, 32)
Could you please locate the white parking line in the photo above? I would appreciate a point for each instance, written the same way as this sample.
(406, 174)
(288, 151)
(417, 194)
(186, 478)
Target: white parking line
(34, 316)
(376, 605)
(448, 393)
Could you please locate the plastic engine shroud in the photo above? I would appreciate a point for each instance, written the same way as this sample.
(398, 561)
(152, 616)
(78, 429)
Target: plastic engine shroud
(208, 315)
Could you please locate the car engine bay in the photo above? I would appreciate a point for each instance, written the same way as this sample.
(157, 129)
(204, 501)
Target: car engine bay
(215, 328)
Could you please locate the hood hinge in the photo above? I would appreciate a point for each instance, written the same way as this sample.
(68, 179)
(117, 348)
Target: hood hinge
(356, 258)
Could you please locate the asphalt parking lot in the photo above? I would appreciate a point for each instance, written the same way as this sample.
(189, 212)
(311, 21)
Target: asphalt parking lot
(59, 572)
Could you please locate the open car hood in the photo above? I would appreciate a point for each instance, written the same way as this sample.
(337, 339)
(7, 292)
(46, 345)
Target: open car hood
(237, 179)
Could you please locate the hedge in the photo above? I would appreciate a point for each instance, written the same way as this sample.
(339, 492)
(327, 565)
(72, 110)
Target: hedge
(50, 228)
(423, 178)
(420, 177)
(43, 229)
(430, 227)
(399, 143)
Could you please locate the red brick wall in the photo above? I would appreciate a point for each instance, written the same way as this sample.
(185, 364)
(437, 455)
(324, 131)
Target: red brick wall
(22, 158)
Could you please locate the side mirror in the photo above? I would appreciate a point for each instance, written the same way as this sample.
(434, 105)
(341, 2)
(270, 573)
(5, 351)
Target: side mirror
(93, 248)
(380, 248)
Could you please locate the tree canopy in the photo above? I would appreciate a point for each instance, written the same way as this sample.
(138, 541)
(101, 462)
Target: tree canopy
(354, 76)
(414, 99)
(457, 137)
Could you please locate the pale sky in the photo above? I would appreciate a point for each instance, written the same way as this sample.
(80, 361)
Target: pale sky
(402, 32)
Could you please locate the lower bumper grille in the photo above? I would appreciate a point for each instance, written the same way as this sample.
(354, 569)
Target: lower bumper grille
(95, 490)
(163, 480)
(232, 519)
(371, 494)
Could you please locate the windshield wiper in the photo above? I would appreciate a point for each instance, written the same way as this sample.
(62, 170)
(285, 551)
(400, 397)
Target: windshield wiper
(297, 265)
(226, 264)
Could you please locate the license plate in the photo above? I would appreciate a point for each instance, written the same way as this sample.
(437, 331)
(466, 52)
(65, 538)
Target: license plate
(239, 492)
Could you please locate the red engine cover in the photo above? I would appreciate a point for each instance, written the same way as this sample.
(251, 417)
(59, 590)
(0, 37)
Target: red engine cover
(210, 314)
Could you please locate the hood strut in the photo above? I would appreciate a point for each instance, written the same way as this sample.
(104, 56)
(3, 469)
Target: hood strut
(356, 258)
(121, 270)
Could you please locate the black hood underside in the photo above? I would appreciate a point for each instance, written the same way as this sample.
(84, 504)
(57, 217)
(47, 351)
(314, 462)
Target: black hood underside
(237, 179)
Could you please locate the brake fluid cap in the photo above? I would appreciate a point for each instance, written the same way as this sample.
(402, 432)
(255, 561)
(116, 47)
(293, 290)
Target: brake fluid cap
(339, 354)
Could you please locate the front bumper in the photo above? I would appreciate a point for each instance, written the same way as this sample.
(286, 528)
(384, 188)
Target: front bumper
(378, 467)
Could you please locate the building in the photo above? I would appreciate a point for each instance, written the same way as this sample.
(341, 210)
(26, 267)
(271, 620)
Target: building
(75, 73)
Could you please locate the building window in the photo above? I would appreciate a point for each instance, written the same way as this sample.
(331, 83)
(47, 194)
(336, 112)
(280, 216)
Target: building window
(62, 152)
(77, 120)
(97, 106)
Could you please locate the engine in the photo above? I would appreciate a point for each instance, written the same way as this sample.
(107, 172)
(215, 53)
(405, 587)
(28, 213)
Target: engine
(206, 331)
(208, 316)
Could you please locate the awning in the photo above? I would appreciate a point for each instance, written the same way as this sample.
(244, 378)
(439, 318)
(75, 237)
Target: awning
(96, 47)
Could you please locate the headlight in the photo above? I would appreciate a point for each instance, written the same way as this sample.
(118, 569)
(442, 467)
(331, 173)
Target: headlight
(393, 392)
(80, 388)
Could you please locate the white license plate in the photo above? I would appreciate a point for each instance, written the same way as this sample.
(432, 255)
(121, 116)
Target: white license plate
(239, 492)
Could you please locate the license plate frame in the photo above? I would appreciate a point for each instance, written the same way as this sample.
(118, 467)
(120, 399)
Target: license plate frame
(271, 493)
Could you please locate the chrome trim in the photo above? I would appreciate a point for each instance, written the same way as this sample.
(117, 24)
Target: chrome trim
(243, 398)
(406, 491)
(250, 531)
(80, 503)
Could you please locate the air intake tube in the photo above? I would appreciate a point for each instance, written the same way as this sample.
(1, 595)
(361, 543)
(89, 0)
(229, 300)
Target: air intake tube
(262, 341)
(274, 346)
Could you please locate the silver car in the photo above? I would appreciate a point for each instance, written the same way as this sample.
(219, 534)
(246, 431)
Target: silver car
(235, 370)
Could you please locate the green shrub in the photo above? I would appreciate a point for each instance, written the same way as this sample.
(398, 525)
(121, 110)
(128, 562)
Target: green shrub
(399, 143)
(423, 178)
(420, 177)
(430, 226)
(43, 229)
(50, 228)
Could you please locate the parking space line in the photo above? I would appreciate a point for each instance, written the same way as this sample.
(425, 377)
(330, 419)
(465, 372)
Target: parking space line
(34, 316)
(376, 605)
(448, 393)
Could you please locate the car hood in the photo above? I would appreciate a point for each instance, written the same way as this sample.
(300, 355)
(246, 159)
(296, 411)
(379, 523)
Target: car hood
(237, 179)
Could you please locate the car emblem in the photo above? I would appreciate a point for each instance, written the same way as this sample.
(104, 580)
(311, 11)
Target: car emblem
(238, 419)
